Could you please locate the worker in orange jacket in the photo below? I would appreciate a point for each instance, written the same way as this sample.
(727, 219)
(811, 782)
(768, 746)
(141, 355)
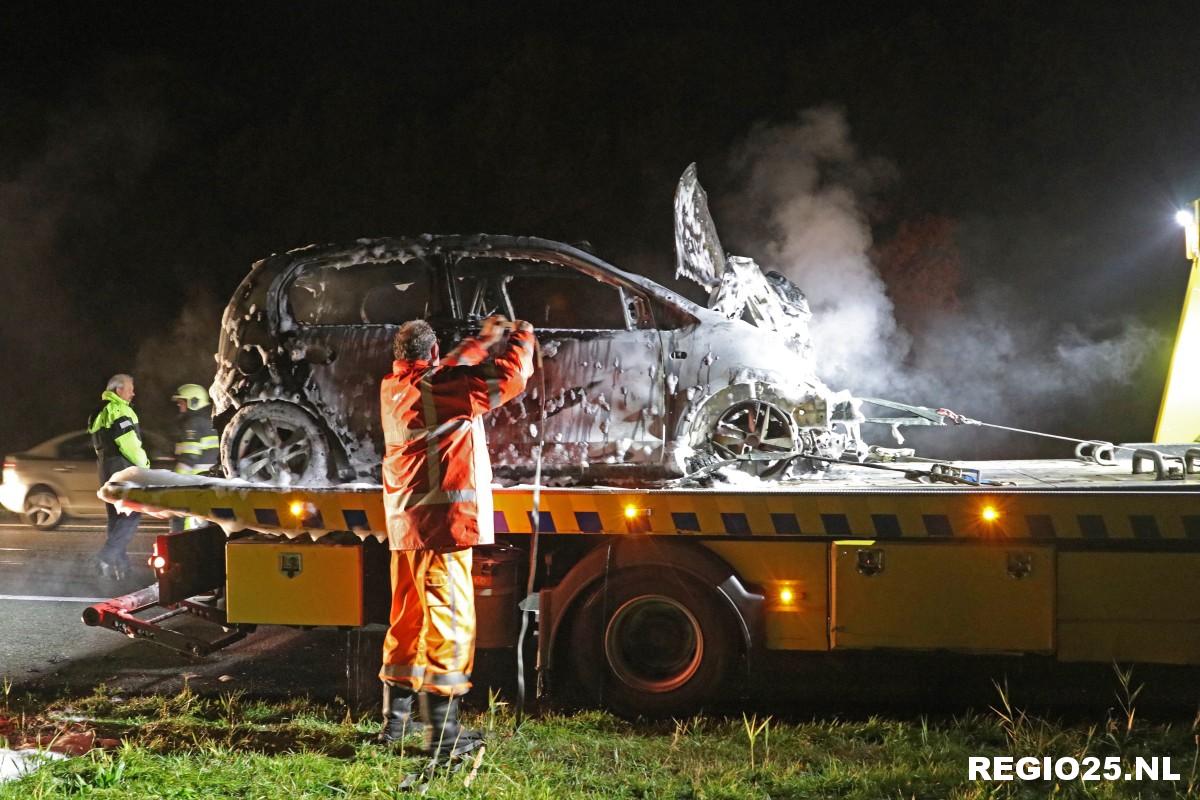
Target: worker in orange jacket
(438, 502)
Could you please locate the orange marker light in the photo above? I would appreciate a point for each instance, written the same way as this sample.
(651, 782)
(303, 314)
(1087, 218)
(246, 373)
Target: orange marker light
(989, 514)
(787, 596)
(631, 512)
(297, 508)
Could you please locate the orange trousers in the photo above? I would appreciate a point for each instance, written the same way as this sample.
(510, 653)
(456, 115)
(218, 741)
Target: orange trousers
(430, 644)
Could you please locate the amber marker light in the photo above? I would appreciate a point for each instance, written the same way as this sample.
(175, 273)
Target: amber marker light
(297, 508)
(637, 520)
(989, 514)
(784, 596)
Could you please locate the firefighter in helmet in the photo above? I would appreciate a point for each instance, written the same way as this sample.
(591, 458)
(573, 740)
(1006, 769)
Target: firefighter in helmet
(196, 444)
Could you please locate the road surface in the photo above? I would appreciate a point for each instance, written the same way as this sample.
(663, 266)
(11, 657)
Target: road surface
(47, 578)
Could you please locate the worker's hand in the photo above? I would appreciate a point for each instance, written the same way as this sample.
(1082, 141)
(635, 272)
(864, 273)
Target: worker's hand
(493, 329)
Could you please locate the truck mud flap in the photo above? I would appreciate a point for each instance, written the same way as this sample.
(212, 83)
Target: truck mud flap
(121, 614)
(193, 562)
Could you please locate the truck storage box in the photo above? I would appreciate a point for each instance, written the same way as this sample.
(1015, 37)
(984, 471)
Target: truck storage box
(972, 596)
(1129, 607)
(294, 583)
(496, 574)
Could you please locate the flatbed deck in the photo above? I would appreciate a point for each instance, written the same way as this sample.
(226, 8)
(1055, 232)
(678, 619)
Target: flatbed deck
(1034, 499)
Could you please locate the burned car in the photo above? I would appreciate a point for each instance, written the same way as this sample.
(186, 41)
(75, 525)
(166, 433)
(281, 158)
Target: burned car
(632, 379)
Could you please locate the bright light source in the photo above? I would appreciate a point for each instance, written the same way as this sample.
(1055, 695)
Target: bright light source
(158, 562)
(297, 508)
(1183, 217)
(787, 596)
(989, 514)
(631, 512)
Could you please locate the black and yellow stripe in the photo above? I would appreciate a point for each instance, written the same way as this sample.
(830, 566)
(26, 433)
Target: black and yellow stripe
(1044, 515)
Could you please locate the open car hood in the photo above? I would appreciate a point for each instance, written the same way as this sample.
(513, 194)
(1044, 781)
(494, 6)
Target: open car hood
(698, 253)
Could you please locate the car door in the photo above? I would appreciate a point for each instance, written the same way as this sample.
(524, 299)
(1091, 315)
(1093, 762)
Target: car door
(596, 397)
(345, 320)
(77, 473)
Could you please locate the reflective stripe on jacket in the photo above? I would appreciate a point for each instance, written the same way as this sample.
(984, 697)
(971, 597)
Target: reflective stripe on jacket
(196, 443)
(116, 436)
(437, 478)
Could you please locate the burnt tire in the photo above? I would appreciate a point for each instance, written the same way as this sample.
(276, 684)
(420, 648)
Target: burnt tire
(43, 509)
(742, 425)
(276, 443)
(653, 644)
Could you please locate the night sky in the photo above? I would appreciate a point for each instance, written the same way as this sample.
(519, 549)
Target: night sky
(1012, 169)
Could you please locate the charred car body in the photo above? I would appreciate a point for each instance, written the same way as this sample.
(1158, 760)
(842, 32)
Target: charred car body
(632, 378)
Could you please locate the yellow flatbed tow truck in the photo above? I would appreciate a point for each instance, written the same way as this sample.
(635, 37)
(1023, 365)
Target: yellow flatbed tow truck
(651, 599)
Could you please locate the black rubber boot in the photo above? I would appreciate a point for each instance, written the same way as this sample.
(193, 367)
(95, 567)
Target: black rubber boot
(445, 739)
(398, 720)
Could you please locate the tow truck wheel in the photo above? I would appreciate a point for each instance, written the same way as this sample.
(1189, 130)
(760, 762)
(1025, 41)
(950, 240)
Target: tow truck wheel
(43, 509)
(652, 644)
(275, 443)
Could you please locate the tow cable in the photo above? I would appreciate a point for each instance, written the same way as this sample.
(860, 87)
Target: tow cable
(1095, 450)
(530, 604)
(1167, 465)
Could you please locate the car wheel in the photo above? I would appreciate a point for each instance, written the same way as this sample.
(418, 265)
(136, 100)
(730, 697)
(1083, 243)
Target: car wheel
(274, 443)
(43, 509)
(652, 644)
(744, 424)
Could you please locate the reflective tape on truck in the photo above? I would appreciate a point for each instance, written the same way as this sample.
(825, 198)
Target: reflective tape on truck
(881, 514)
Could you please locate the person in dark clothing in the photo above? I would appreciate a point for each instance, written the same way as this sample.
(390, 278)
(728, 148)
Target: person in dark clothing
(118, 443)
(196, 443)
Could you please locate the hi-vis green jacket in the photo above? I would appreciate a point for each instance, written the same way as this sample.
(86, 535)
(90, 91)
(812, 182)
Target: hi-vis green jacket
(116, 436)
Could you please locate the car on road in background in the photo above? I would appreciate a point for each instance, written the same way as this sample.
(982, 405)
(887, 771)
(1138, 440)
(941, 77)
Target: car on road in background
(58, 478)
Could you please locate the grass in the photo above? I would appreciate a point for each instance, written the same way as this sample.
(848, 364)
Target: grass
(190, 746)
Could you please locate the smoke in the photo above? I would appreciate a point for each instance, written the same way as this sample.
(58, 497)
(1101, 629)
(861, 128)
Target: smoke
(803, 206)
(801, 211)
(181, 353)
(53, 201)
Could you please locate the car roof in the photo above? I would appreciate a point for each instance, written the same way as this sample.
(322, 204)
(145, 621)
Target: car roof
(375, 251)
(49, 448)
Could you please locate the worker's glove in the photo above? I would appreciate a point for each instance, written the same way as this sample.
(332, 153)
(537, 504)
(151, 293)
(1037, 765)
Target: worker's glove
(493, 328)
(521, 325)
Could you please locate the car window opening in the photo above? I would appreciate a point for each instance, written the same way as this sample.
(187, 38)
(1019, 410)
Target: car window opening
(370, 294)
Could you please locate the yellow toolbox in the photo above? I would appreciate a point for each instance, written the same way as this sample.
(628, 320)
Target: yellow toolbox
(971, 596)
(294, 583)
(1129, 607)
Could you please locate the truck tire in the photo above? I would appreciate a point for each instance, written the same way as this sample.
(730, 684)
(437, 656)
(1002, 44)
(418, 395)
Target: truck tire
(276, 443)
(652, 643)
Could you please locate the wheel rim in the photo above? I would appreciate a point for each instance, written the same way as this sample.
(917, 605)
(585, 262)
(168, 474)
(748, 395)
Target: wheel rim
(268, 450)
(753, 428)
(43, 509)
(654, 644)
